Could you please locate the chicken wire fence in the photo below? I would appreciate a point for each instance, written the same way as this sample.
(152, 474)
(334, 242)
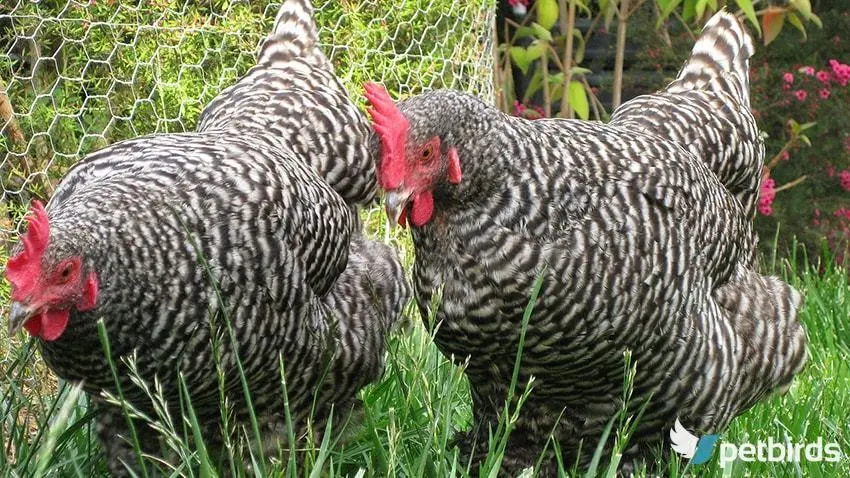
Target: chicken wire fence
(78, 75)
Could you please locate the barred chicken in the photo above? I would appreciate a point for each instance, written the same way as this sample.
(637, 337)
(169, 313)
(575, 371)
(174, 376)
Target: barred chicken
(247, 225)
(641, 232)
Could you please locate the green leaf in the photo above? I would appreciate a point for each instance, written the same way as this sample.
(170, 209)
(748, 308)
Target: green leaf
(610, 10)
(699, 8)
(534, 85)
(547, 13)
(802, 6)
(771, 23)
(541, 33)
(523, 32)
(556, 92)
(578, 47)
(663, 4)
(794, 20)
(747, 7)
(556, 87)
(578, 100)
(667, 7)
(816, 20)
(794, 126)
(689, 11)
(523, 57)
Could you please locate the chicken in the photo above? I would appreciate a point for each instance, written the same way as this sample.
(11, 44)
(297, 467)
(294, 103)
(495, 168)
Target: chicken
(233, 246)
(695, 110)
(639, 246)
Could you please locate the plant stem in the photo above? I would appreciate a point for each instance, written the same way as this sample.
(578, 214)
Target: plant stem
(791, 184)
(10, 124)
(508, 72)
(775, 160)
(622, 19)
(568, 22)
(547, 98)
(498, 83)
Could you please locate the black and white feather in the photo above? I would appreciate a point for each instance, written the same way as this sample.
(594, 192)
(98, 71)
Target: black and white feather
(293, 98)
(255, 206)
(706, 109)
(642, 229)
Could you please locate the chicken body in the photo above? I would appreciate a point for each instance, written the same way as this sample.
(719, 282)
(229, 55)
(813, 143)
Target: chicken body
(643, 245)
(246, 226)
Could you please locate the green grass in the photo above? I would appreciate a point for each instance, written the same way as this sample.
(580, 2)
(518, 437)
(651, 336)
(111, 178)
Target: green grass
(412, 413)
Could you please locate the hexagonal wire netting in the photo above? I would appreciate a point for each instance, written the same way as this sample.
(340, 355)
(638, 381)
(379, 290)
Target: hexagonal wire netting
(78, 75)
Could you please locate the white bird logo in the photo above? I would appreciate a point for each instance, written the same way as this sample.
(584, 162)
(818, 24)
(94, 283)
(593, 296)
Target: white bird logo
(683, 441)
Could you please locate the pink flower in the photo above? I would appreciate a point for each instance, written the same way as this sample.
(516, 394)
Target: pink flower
(841, 72)
(823, 77)
(519, 108)
(844, 179)
(767, 193)
(520, 7)
(824, 93)
(788, 78)
(808, 70)
(801, 95)
(785, 155)
(768, 189)
(786, 87)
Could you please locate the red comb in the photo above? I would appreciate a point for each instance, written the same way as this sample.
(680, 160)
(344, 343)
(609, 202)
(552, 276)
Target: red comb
(391, 126)
(22, 270)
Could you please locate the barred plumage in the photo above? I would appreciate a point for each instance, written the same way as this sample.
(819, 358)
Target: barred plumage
(706, 109)
(244, 209)
(293, 98)
(641, 248)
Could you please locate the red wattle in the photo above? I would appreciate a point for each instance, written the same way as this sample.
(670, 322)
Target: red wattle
(423, 208)
(53, 323)
(33, 326)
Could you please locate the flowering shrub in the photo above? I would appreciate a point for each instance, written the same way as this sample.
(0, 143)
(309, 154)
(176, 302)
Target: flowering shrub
(815, 94)
(808, 82)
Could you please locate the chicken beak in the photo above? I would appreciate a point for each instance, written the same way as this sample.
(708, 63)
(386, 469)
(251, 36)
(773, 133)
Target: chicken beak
(396, 203)
(18, 316)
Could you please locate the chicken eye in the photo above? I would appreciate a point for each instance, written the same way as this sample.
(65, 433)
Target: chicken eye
(427, 152)
(66, 271)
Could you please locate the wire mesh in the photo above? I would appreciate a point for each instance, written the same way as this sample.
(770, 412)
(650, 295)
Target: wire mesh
(78, 75)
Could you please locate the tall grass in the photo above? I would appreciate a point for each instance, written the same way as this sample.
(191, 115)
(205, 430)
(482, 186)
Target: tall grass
(412, 413)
